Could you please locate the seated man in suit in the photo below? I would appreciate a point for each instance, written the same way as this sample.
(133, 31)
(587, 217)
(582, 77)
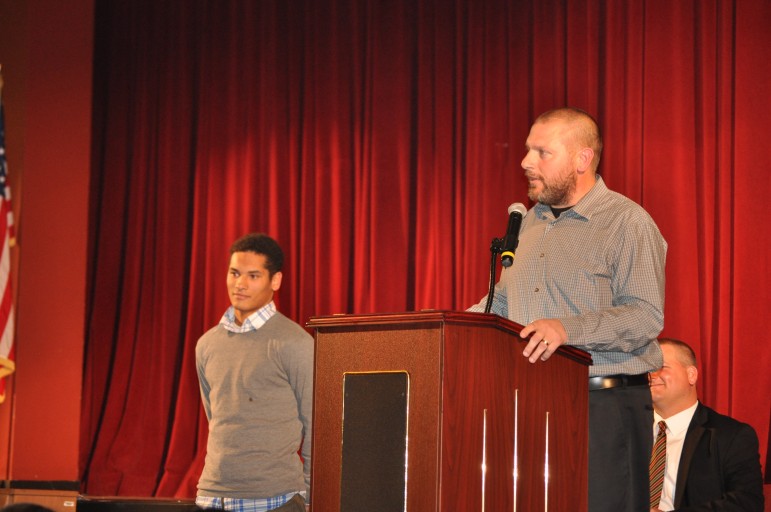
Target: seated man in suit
(711, 460)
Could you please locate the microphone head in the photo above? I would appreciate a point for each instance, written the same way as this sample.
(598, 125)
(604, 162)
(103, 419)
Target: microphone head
(517, 207)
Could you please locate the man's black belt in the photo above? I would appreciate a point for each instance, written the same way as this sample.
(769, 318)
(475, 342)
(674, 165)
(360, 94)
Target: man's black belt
(615, 381)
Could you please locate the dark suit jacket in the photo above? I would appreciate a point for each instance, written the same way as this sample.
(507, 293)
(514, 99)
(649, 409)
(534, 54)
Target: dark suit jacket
(720, 466)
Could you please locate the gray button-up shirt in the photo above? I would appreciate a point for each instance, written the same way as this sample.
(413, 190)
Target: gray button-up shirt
(599, 269)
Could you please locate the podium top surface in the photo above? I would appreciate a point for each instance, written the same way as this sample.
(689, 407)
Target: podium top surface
(351, 321)
(423, 316)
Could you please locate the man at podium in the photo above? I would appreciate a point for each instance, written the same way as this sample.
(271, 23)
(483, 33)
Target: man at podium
(589, 272)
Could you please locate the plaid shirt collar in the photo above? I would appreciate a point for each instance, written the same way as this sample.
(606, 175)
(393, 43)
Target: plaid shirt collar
(252, 322)
(585, 207)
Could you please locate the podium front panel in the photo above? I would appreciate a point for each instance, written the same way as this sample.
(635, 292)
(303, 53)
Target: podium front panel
(414, 351)
(374, 465)
(486, 429)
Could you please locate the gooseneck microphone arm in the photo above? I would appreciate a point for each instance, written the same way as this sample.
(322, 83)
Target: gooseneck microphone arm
(496, 247)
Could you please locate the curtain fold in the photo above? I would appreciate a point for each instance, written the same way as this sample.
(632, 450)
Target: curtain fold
(379, 143)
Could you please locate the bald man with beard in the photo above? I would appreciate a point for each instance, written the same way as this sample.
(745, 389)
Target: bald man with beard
(589, 272)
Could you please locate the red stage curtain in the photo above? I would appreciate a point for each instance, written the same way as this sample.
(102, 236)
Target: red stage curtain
(380, 143)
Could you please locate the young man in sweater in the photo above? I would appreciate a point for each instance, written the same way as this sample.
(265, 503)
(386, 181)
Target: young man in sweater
(255, 370)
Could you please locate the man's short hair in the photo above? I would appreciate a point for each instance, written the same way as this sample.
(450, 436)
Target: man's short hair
(686, 355)
(586, 131)
(261, 243)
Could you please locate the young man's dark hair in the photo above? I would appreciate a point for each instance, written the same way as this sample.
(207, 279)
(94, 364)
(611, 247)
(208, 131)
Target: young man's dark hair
(261, 243)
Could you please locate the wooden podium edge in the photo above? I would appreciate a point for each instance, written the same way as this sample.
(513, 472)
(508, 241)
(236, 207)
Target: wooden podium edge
(432, 316)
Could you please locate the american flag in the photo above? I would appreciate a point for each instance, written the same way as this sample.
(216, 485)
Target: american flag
(7, 365)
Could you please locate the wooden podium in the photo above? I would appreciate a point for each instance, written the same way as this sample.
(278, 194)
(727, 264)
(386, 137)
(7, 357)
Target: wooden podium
(440, 411)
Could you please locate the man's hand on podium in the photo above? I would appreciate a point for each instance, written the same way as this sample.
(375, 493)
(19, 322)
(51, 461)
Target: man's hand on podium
(546, 335)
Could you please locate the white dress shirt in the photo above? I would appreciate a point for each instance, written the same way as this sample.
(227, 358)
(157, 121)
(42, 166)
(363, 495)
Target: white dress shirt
(677, 427)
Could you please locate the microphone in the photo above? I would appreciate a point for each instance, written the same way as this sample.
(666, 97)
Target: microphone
(510, 242)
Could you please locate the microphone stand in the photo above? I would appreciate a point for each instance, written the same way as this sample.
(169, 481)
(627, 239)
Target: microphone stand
(496, 247)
